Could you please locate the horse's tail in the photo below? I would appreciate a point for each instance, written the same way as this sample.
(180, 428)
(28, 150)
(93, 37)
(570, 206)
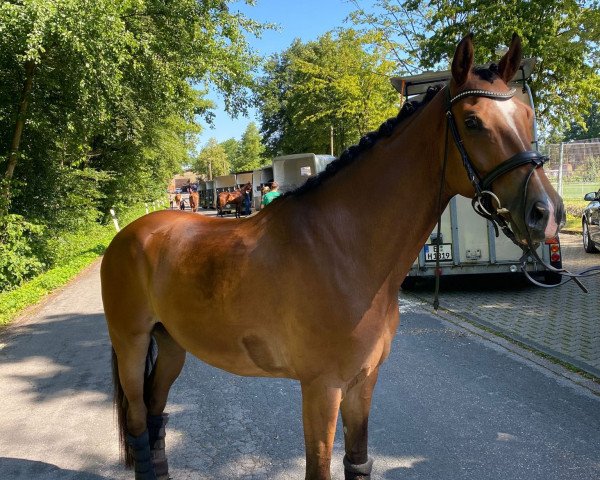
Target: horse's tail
(120, 400)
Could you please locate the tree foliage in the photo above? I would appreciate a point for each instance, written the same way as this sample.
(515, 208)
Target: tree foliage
(212, 161)
(591, 128)
(250, 155)
(99, 100)
(337, 81)
(562, 34)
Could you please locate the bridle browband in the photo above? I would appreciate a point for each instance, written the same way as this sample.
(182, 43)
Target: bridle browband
(483, 201)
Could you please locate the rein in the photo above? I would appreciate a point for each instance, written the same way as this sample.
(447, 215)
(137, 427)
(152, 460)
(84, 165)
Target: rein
(482, 202)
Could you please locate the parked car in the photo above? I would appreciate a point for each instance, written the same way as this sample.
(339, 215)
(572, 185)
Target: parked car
(178, 190)
(590, 221)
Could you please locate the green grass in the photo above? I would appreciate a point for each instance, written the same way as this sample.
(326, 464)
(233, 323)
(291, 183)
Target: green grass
(576, 191)
(573, 223)
(86, 248)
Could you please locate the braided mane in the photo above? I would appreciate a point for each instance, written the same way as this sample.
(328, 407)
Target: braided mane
(352, 153)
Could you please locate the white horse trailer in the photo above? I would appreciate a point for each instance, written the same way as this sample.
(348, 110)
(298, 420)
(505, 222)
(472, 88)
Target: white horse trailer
(291, 171)
(260, 178)
(468, 244)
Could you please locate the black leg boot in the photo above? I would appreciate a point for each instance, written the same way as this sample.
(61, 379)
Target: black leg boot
(140, 449)
(357, 472)
(156, 429)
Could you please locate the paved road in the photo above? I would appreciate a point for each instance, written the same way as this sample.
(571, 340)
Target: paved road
(449, 405)
(562, 322)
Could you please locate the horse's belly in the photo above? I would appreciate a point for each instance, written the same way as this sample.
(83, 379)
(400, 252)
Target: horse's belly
(237, 351)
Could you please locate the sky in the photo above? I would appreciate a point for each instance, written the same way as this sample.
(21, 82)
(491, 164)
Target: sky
(304, 19)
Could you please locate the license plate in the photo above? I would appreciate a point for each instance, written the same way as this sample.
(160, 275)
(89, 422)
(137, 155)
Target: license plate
(432, 251)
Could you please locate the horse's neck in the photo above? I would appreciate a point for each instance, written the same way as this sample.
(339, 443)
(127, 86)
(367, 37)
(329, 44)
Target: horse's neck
(380, 209)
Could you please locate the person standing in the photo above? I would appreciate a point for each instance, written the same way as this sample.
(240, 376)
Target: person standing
(271, 195)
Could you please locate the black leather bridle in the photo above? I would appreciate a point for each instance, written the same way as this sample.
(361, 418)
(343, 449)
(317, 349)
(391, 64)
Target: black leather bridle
(483, 201)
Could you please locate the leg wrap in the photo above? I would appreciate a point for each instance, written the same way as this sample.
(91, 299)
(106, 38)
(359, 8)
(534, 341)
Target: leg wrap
(354, 471)
(156, 430)
(140, 449)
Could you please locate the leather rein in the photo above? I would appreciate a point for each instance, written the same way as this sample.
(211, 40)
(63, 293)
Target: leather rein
(483, 201)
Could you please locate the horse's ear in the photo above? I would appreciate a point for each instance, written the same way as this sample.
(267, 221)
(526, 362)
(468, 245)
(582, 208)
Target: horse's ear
(511, 61)
(462, 63)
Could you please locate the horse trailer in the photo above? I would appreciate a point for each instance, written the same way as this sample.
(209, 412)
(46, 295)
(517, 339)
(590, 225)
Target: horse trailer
(209, 197)
(468, 243)
(291, 171)
(260, 178)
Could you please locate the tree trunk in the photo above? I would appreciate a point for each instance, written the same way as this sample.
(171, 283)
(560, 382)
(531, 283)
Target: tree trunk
(16, 140)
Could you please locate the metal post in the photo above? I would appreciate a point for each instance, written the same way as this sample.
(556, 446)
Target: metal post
(560, 169)
(146, 208)
(331, 138)
(115, 221)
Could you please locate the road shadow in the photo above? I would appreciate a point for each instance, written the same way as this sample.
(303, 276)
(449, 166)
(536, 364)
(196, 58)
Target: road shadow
(57, 356)
(21, 468)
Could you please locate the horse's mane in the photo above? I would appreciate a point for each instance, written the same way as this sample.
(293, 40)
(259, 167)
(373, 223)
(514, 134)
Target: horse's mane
(352, 153)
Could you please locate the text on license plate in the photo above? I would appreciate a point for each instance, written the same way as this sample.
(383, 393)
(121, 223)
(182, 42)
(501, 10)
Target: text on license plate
(445, 252)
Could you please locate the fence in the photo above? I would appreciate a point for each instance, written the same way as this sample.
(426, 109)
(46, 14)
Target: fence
(574, 167)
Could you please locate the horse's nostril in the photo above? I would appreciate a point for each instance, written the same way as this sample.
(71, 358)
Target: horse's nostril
(538, 216)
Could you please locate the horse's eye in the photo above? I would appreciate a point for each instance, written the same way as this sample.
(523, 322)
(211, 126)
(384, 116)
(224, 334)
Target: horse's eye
(472, 123)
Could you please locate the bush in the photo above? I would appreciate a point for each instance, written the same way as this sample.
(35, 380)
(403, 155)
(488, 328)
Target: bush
(73, 253)
(18, 261)
(575, 207)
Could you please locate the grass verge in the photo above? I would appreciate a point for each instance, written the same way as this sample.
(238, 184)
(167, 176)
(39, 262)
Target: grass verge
(86, 248)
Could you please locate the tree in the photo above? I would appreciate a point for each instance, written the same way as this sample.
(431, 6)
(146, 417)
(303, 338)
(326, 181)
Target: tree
(84, 81)
(232, 149)
(100, 100)
(212, 160)
(336, 81)
(563, 34)
(591, 123)
(251, 150)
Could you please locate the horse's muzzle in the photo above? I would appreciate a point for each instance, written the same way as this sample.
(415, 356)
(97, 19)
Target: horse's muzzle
(544, 220)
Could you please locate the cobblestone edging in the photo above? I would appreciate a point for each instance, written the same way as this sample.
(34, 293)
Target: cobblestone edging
(563, 322)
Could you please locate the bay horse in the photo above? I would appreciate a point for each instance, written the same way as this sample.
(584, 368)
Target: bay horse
(235, 198)
(194, 200)
(329, 320)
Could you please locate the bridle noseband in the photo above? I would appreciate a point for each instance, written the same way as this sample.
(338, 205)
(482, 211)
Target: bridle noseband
(482, 202)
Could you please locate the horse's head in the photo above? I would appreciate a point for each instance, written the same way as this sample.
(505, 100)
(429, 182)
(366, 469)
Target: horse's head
(493, 133)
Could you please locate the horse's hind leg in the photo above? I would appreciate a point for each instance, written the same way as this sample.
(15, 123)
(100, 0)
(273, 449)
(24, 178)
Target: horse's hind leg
(130, 354)
(355, 409)
(167, 368)
(144, 396)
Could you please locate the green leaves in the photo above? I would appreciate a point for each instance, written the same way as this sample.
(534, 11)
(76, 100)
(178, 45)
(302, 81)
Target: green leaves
(340, 80)
(563, 34)
(117, 89)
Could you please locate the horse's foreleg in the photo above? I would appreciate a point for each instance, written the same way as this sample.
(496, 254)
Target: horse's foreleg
(355, 415)
(320, 407)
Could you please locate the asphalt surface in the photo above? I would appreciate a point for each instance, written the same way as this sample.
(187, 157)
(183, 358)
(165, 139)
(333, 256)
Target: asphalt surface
(449, 404)
(562, 322)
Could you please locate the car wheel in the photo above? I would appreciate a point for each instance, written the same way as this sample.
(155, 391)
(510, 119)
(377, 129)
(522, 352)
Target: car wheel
(588, 244)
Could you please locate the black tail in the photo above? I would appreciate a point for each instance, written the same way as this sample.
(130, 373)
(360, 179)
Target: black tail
(120, 401)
